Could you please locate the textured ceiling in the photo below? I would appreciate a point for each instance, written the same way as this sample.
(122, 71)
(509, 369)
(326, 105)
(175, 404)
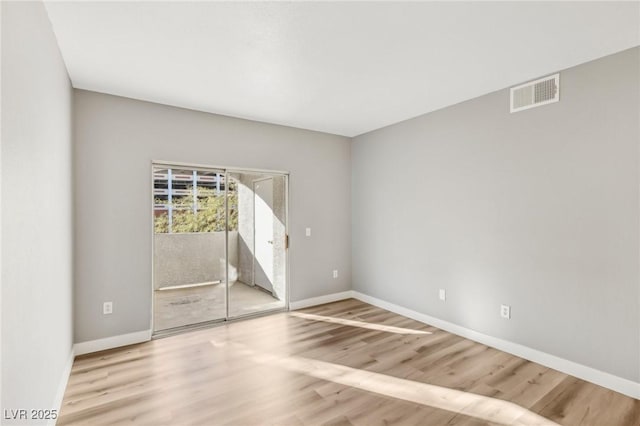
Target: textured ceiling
(343, 68)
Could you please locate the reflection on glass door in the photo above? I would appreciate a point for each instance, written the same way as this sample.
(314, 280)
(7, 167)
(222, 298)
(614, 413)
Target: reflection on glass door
(263, 233)
(220, 245)
(261, 244)
(189, 274)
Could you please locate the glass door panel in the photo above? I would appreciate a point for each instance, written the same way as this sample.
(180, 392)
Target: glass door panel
(257, 243)
(189, 262)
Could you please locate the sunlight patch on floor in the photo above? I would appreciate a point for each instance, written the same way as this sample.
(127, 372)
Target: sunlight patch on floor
(469, 404)
(361, 324)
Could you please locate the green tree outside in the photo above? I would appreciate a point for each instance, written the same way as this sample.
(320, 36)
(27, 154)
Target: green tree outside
(208, 218)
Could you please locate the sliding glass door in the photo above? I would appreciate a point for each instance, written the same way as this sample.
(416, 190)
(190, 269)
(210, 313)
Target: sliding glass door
(258, 283)
(189, 256)
(219, 245)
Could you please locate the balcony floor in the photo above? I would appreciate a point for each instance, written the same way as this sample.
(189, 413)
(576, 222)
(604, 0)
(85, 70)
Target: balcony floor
(187, 306)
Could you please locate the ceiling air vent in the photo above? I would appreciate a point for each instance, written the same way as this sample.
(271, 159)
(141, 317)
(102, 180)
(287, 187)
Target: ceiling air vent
(535, 93)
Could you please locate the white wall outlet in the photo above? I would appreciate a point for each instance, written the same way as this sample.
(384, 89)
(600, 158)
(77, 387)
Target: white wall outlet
(335, 273)
(505, 311)
(307, 232)
(107, 308)
(442, 294)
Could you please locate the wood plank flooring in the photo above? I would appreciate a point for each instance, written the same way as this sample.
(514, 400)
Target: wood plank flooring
(344, 363)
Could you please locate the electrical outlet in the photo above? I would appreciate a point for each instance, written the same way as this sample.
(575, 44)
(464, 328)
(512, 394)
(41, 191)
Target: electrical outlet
(307, 232)
(107, 308)
(442, 294)
(505, 311)
(335, 273)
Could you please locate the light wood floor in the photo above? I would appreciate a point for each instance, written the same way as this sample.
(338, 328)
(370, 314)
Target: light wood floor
(337, 364)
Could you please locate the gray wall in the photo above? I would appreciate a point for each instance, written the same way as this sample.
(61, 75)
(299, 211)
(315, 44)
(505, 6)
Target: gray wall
(537, 209)
(37, 210)
(116, 140)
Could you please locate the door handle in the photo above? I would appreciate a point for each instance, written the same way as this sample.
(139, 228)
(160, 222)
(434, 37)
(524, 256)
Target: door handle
(270, 241)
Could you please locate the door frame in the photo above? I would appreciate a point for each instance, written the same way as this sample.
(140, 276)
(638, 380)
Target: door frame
(226, 170)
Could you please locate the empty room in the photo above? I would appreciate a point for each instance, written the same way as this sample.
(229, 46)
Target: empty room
(320, 213)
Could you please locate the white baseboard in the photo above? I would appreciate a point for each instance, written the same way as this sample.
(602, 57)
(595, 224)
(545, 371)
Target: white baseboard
(112, 342)
(320, 300)
(62, 386)
(609, 381)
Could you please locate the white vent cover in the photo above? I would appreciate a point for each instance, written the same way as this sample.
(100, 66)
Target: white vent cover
(535, 93)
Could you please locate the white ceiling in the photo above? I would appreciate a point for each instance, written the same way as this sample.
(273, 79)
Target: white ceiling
(343, 68)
